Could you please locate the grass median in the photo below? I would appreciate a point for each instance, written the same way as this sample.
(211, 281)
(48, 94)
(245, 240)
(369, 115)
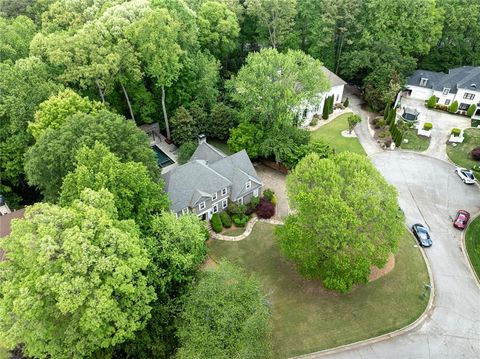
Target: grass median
(460, 153)
(472, 242)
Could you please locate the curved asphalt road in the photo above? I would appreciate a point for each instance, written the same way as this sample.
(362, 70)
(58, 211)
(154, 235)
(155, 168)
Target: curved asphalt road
(431, 193)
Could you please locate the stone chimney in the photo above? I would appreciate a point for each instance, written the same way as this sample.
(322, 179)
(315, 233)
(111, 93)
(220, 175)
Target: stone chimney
(202, 139)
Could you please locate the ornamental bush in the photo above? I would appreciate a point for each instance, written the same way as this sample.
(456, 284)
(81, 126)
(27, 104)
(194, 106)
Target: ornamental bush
(314, 120)
(456, 132)
(240, 220)
(427, 126)
(346, 102)
(268, 194)
(432, 101)
(185, 151)
(453, 107)
(265, 209)
(235, 208)
(216, 223)
(471, 110)
(441, 107)
(476, 153)
(226, 219)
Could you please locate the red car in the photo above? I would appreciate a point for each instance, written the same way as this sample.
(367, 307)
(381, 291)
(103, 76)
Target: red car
(461, 220)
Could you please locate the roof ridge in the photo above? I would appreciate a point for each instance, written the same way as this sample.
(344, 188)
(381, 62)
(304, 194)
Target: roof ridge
(201, 162)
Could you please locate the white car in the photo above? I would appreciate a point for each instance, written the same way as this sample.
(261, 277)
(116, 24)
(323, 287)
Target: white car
(465, 175)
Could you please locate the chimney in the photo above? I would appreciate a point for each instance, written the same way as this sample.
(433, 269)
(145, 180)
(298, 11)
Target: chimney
(202, 139)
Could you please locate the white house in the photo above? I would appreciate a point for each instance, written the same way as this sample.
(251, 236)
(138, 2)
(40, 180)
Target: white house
(306, 110)
(461, 84)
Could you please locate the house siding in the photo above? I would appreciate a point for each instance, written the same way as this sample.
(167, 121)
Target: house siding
(305, 118)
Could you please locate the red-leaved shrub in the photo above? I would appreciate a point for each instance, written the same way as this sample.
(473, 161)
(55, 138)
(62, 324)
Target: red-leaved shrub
(265, 209)
(476, 153)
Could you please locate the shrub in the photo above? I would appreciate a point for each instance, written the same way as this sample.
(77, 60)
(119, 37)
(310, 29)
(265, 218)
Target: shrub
(226, 220)
(235, 208)
(216, 223)
(185, 151)
(453, 107)
(252, 205)
(240, 220)
(427, 126)
(268, 194)
(346, 102)
(379, 122)
(388, 141)
(265, 209)
(325, 111)
(471, 110)
(274, 199)
(314, 120)
(432, 101)
(476, 153)
(456, 132)
(475, 123)
(441, 107)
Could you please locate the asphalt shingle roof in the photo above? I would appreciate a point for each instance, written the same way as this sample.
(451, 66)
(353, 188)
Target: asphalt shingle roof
(332, 77)
(460, 77)
(207, 153)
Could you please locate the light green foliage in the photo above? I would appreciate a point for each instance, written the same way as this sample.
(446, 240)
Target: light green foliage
(184, 128)
(218, 28)
(53, 112)
(320, 147)
(23, 86)
(247, 137)
(275, 19)
(135, 194)
(185, 151)
(271, 83)
(432, 101)
(471, 110)
(453, 107)
(224, 316)
(53, 155)
(346, 219)
(353, 120)
(79, 286)
(15, 37)
(177, 249)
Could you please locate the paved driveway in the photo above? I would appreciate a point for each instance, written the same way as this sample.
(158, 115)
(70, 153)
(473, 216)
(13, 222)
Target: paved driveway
(443, 122)
(430, 193)
(275, 181)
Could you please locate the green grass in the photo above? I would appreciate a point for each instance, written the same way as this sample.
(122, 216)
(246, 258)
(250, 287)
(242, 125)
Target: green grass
(221, 145)
(472, 242)
(415, 142)
(460, 154)
(307, 318)
(234, 231)
(331, 133)
(4, 353)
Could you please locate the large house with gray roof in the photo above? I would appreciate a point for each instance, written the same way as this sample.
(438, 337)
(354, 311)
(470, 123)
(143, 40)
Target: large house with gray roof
(461, 84)
(210, 180)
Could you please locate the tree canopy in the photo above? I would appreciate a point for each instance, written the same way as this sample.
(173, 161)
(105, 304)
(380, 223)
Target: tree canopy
(79, 286)
(345, 219)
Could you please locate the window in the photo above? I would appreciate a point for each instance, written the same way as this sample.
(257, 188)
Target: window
(214, 197)
(249, 184)
(337, 98)
(240, 201)
(447, 102)
(255, 193)
(201, 205)
(224, 204)
(463, 106)
(185, 210)
(423, 81)
(215, 208)
(224, 191)
(468, 96)
(305, 113)
(446, 91)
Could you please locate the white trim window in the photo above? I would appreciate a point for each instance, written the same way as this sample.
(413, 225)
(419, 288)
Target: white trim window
(224, 191)
(446, 91)
(240, 200)
(255, 192)
(215, 208)
(202, 205)
(423, 81)
(447, 101)
(469, 96)
(214, 196)
(185, 211)
(224, 204)
(248, 185)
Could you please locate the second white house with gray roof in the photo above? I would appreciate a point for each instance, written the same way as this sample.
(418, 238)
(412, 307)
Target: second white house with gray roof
(210, 180)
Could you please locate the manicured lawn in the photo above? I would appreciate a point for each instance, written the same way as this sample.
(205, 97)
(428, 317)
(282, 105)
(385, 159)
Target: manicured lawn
(307, 318)
(221, 145)
(472, 242)
(4, 353)
(234, 231)
(415, 142)
(460, 154)
(331, 133)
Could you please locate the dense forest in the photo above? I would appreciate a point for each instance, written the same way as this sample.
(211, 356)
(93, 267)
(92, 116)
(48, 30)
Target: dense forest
(76, 79)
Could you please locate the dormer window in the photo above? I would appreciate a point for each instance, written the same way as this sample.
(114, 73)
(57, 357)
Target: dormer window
(423, 81)
(249, 184)
(446, 91)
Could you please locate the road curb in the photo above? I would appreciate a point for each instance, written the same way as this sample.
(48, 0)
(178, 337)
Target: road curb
(395, 333)
(465, 252)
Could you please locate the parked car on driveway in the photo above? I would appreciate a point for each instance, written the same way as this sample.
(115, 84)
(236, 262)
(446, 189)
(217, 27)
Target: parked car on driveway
(465, 175)
(461, 219)
(421, 233)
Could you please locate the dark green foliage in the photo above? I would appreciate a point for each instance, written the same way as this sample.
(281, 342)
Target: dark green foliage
(330, 105)
(240, 220)
(216, 223)
(475, 123)
(397, 135)
(265, 209)
(225, 315)
(318, 146)
(432, 101)
(222, 118)
(268, 194)
(346, 102)
(280, 143)
(252, 205)
(184, 128)
(185, 151)
(325, 111)
(453, 107)
(353, 120)
(471, 110)
(235, 208)
(226, 219)
(314, 120)
(53, 155)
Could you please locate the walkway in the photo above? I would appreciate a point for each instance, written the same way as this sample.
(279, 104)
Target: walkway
(247, 232)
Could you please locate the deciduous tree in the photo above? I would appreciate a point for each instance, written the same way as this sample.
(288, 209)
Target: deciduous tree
(16, 36)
